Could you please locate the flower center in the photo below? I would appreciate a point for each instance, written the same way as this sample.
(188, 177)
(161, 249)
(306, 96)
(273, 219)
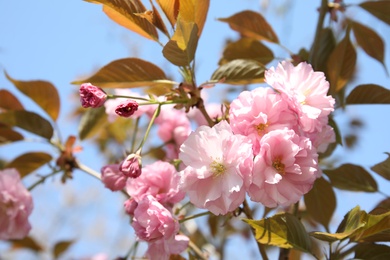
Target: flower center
(261, 128)
(217, 168)
(278, 166)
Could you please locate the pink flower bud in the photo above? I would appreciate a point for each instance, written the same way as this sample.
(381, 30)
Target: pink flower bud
(131, 166)
(126, 108)
(92, 96)
(130, 205)
(112, 177)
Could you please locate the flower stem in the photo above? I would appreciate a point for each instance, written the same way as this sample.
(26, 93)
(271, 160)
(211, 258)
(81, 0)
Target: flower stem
(156, 113)
(196, 249)
(320, 24)
(194, 216)
(248, 213)
(42, 179)
(88, 170)
(202, 109)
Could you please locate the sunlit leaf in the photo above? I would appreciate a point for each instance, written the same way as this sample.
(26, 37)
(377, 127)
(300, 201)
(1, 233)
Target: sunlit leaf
(353, 221)
(376, 229)
(246, 48)
(8, 135)
(180, 50)
(383, 168)
(129, 73)
(321, 201)
(380, 9)
(26, 243)
(28, 121)
(282, 230)
(327, 44)
(251, 24)
(341, 64)
(194, 11)
(369, 94)
(123, 12)
(372, 251)
(61, 247)
(29, 162)
(352, 177)
(8, 101)
(370, 41)
(91, 121)
(170, 9)
(43, 93)
(154, 18)
(240, 72)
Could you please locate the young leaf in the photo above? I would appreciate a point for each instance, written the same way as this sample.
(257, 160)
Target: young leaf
(246, 48)
(383, 168)
(282, 230)
(341, 64)
(380, 9)
(370, 41)
(29, 162)
(8, 101)
(170, 9)
(26, 243)
(368, 94)
(321, 201)
(180, 50)
(8, 135)
(129, 73)
(376, 229)
(381, 207)
(352, 177)
(123, 13)
(28, 121)
(154, 18)
(194, 11)
(240, 72)
(251, 24)
(372, 251)
(91, 121)
(43, 93)
(61, 247)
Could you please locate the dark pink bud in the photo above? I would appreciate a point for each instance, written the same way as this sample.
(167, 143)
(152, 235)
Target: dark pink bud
(126, 108)
(131, 166)
(92, 96)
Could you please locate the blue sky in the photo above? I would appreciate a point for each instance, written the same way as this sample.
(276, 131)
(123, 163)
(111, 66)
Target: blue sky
(63, 40)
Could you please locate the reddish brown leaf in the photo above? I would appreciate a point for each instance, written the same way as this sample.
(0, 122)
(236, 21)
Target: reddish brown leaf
(380, 9)
(8, 101)
(9, 135)
(368, 94)
(170, 9)
(29, 162)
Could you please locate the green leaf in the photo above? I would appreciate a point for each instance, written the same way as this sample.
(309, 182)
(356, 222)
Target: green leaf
(61, 247)
(326, 47)
(341, 64)
(251, 24)
(129, 73)
(352, 222)
(321, 202)
(380, 9)
(368, 94)
(170, 9)
(91, 121)
(29, 162)
(372, 251)
(383, 168)
(180, 50)
(281, 230)
(43, 93)
(376, 229)
(352, 177)
(246, 48)
(123, 12)
(194, 11)
(8, 135)
(26, 243)
(8, 101)
(28, 121)
(240, 72)
(370, 41)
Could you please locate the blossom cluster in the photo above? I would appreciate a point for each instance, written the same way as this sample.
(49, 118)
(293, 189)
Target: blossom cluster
(267, 148)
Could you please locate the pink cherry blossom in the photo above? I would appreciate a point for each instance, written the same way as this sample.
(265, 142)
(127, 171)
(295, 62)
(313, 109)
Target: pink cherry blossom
(153, 221)
(131, 166)
(219, 165)
(322, 139)
(130, 205)
(305, 90)
(112, 177)
(163, 248)
(255, 113)
(161, 180)
(126, 108)
(92, 96)
(284, 170)
(15, 206)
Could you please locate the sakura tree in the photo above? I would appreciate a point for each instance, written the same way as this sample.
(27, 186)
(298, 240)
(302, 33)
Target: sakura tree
(259, 161)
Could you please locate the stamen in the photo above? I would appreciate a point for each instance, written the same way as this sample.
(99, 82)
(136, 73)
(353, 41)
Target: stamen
(217, 168)
(261, 128)
(278, 166)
